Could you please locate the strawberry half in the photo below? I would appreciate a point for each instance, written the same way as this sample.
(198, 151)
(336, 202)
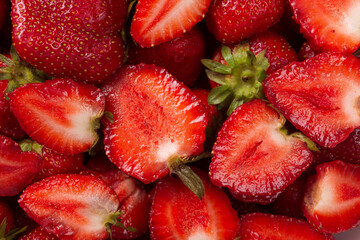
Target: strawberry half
(332, 198)
(258, 226)
(176, 213)
(66, 120)
(155, 121)
(160, 21)
(254, 157)
(319, 96)
(17, 168)
(72, 206)
(74, 40)
(328, 25)
(38, 233)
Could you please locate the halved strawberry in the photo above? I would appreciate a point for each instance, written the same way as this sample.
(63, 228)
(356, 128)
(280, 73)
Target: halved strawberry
(39, 233)
(319, 96)
(160, 21)
(17, 168)
(176, 213)
(155, 121)
(258, 226)
(7, 214)
(72, 206)
(254, 157)
(328, 25)
(332, 198)
(306, 52)
(66, 120)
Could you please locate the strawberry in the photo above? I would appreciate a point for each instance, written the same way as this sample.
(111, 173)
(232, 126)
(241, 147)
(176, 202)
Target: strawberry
(152, 122)
(258, 226)
(7, 214)
(319, 96)
(239, 71)
(328, 25)
(180, 56)
(267, 160)
(82, 43)
(72, 206)
(332, 197)
(177, 214)
(53, 163)
(347, 151)
(232, 20)
(159, 21)
(17, 168)
(202, 95)
(65, 120)
(135, 204)
(306, 52)
(38, 233)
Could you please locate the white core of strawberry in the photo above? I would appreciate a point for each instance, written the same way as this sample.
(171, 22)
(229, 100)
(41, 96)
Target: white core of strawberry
(166, 150)
(352, 20)
(351, 104)
(82, 125)
(200, 235)
(324, 195)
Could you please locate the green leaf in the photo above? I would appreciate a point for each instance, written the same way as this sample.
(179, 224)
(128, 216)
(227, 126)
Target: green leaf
(14, 55)
(227, 55)
(240, 52)
(216, 66)
(199, 157)
(6, 60)
(216, 77)
(233, 105)
(218, 95)
(310, 144)
(191, 180)
(5, 76)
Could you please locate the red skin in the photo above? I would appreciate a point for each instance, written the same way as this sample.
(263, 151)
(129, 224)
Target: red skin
(39, 233)
(6, 212)
(232, 20)
(181, 56)
(306, 52)
(211, 110)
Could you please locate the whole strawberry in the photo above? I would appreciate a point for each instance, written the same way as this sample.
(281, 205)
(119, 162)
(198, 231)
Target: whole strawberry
(70, 39)
(234, 20)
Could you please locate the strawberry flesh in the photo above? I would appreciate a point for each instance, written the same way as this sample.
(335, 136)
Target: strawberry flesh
(177, 213)
(156, 120)
(158, 21)
(332, 197)
(253, 157)
(64, 121)
(319, 96)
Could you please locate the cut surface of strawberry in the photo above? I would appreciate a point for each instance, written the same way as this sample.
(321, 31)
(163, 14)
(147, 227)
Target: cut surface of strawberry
(328, 25)
(332, 198)
(160, 21)
(319, 96)
(176, 213)
(17, 168)
(66, 120)
(71, 206)
(258, 226)
(156, 120)
(254, 157)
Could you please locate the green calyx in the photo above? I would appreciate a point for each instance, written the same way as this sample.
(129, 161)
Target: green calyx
(240, 79)
(19, 72)
(191, 180)
(114, 220)
(29, 145)
(12, 234)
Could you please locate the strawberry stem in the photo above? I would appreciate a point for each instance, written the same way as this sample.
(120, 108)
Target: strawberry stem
(11, 234)
(114, 220)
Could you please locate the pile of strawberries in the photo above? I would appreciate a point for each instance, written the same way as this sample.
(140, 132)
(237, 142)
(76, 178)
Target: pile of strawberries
(179, 119)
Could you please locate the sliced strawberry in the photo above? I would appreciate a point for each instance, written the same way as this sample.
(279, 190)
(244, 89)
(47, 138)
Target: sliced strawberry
(176, 213)
(156, 121)
(65, 120)
(7, 214)
(181, 56)
(254, 157)
(257, 226)
(38, 233)
(332, 198)
(319, 96)
(306, 52)
(212, 112)
(17, 168)
(160, 21)
(134, 202)
(328, 25)
(71, 206)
